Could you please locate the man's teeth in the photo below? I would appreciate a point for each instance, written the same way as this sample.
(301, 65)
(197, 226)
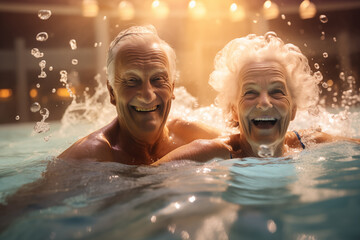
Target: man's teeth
(140, 109)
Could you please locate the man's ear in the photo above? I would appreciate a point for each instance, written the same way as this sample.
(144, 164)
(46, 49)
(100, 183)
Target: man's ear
(293, 112)
(111, 92)
(172, 93)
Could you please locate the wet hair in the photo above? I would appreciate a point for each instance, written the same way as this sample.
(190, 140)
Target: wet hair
(229, 61)
(139, 32)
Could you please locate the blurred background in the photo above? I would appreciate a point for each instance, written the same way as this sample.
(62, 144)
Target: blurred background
(74, 36)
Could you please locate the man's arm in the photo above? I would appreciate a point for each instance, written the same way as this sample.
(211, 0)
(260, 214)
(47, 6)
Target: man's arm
(190, 131)
(200, 150)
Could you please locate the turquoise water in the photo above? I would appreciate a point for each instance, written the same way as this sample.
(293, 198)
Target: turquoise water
(312, 195)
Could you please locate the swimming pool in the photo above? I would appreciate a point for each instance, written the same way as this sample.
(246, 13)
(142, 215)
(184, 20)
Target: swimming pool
(312, 195)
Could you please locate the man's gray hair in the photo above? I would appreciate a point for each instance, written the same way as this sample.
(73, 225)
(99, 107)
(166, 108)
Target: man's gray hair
(139, 32)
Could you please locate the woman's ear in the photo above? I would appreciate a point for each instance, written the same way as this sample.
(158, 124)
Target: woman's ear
(111, 92)
(293, 112)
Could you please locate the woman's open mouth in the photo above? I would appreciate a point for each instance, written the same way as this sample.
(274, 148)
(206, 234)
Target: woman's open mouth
(264, 122)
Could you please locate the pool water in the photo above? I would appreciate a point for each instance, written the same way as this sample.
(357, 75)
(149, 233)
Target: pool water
(311, 195)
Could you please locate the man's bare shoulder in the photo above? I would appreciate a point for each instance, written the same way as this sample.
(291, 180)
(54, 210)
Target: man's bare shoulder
(95, 146)
(190, 131)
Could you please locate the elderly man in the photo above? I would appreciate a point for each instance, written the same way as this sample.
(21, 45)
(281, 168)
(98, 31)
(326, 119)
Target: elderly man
(141, 75)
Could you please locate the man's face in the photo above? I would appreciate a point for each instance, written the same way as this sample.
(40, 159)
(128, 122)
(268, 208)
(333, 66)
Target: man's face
(143, 89)
(264, 106)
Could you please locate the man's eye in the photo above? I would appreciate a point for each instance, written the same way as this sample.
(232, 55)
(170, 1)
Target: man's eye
(131, 81)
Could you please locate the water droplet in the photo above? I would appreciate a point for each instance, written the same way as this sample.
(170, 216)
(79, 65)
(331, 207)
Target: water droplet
(42, 36)
(289, 23)
(38, 85)
(316, 65)
(44, 14)
(42, 75)
(334, 39)
(323, 18)
(42, 63)
(265, 151)
(63, 76)
(342, 76)
(87, 89)
(318, 76)
(324, 85)
(74, 62)
(305, 44)
(36, 53)
(72, 43)
(255, 21)
(283, 17)
(17, 117)
(325, 54)
(117, 25)
(53, 90)
(44, 112)
(350, 79)
(105, 17)
(35, 107)
(95, 44)
(51, 68)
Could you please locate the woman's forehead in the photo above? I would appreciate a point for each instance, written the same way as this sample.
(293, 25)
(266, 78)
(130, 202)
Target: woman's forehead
(262, 68)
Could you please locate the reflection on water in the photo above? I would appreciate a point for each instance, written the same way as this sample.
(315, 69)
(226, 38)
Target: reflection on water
(312, 195)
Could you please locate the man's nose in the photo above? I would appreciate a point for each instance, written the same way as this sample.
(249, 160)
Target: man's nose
(264, 102)
(146, 93)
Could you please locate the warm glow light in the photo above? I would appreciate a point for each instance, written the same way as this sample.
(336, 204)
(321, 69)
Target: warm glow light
(237, 13)
(90, 8)
(160, 9)
(307, 9)
(270, 10)
(63, 92)
(5, 93)
(33, 93)
(126, 10)
(196, 9)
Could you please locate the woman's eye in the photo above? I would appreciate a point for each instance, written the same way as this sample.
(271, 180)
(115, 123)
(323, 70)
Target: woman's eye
(277, 91)
(131, 81)
(250, 92)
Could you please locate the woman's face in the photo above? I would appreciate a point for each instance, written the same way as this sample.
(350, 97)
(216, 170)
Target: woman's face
(264, 105)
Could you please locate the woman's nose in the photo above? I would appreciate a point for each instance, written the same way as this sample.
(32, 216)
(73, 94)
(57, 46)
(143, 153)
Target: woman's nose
(264, 102)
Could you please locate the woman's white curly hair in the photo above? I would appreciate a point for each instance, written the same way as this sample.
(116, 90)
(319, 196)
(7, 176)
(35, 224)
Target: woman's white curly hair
(237, 53)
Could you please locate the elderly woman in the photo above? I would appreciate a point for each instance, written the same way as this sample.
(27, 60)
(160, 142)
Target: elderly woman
(261, 83)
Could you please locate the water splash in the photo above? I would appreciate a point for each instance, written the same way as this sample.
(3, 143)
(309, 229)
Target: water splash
(265, 151)
(42, 36)
(42, 126)
(35, 107)
(36, 53)
(42, 65)
(44, 14)
(323, 18)
(73, 45)
(63, 80)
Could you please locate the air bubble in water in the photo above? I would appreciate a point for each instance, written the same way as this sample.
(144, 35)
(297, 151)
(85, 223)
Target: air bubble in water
(51, 68)
(72, 43)
(74, 62)
(324, 85)
(325, 54)
(36, 53)
(53, 90)
(283, 17)
(17, 117)
(342, 76)
(35, 107)
(323, 18)
(316, 65)
(63, 76)
(334, 39)
(42, 36)
(38, 85)
(42, 65)
(44, 14)
(289, 23)
(265, 151)
(318, 75)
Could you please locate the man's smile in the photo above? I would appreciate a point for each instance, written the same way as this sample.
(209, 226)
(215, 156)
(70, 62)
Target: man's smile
(145, 109)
